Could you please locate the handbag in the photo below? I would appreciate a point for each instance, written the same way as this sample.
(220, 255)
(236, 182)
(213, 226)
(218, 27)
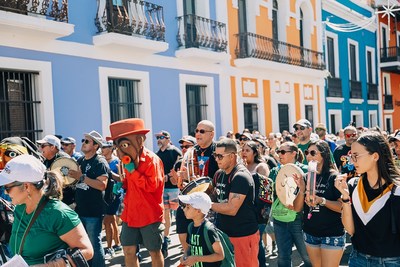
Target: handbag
(281, 213)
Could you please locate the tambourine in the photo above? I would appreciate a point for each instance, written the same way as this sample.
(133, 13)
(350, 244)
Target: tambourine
(62, 166)
(285, 185)
(202, 184)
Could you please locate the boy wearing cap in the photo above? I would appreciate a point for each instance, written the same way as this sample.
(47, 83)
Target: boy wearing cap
(196, 207)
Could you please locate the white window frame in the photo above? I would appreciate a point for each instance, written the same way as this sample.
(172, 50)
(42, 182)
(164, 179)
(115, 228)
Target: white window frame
(335, 38)
(389, 89)
(382, 25)
(360, 114)
(375, 114)
(390, 117)
(206, 81)
(352, 42)
(372, 50)
(202, 8)
(144, 95)
(338, 119)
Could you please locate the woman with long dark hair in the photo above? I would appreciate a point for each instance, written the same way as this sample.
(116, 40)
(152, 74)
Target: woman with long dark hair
(371, 203)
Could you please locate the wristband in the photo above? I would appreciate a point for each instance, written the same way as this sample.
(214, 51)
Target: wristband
(82, 178)
(346, 201)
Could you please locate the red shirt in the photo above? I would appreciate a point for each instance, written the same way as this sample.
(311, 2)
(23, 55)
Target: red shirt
(144, 192)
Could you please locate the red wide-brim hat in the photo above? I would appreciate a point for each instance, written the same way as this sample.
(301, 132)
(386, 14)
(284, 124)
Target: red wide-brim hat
(126, 127)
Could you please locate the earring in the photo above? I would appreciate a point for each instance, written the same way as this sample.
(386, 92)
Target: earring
(29, 195)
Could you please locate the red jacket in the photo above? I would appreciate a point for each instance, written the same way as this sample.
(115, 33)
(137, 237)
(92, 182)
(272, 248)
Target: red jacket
(144, 192)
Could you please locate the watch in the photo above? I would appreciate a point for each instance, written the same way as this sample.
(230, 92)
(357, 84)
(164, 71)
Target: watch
(323, 202)
(82, 178)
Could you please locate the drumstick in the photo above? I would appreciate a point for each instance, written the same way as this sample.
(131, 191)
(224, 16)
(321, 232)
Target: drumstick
(311, 178)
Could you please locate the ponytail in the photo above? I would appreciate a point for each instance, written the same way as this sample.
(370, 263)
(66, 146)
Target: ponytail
(53, 186)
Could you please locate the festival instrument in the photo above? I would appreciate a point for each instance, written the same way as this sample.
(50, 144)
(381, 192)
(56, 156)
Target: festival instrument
(189, 168)
(202, 184)
(285, 185)
(62, 166)
(311, 180)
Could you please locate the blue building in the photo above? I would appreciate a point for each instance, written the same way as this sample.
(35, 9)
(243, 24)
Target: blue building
(69, 67)
(352, 91)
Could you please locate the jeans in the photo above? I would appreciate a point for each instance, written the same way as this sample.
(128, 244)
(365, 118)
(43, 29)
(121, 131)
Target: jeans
(261, 249)
(93, 229)
(287, 234)
(358, 259)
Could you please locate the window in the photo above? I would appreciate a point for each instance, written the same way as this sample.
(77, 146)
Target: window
(301, 32)
(353, 63)
(369, 67)
(18, 104)
(196, 105)
(124, 99)
(283, 111)
(309, 113)
(331, 56)
(242, 16)
(251, 117)
(333, 123)
(275, 35)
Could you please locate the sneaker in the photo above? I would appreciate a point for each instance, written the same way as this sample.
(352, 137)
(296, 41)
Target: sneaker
(108, 253)
(164, 248)
(117, 248)
(274, 250)
(168, 239)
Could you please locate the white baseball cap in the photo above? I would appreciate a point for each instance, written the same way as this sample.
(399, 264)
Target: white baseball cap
(24, 168)
(50, 139)
(198, 200)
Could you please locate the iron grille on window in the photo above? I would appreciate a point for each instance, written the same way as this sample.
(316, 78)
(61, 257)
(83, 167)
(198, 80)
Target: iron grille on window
(251, 117)
(124, 99)
(196, 105)
(309, 111)
(18, 104)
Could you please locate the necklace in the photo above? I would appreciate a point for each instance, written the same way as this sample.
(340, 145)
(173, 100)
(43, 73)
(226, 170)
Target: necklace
(202, 151)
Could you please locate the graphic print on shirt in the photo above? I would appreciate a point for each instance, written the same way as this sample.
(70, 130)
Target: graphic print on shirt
(195, 248)
(82, 185)
(346, 163)
(202, 161)
(320, 189)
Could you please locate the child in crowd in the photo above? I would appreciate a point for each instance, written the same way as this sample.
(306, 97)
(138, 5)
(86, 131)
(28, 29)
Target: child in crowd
(196, 206)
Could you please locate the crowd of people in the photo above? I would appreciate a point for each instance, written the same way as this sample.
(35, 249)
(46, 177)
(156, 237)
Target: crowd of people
(344, 183)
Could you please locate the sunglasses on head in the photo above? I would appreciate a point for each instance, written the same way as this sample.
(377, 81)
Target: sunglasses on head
(311, 152)
(161, 137)
(301, 128)
(186, 146)
(202, 131)
(351, 135)
(283, 152)
(86, 141)
(8, 188)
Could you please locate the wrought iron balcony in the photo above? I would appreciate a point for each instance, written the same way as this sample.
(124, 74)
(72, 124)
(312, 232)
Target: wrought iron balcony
(258, 46)
(390, 57)
(52, 9)
(131, 17)
(196, 31)
(372, 91)
(355, 89)
(334, 87)
(388, 104)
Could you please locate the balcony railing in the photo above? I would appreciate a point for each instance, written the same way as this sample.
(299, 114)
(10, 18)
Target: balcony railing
(196, 31)
(335, 87)
(52, 9)
(388, 104)
(390, 54)
(257, 46)
(372, 91)
(355, 89)
(131, 17)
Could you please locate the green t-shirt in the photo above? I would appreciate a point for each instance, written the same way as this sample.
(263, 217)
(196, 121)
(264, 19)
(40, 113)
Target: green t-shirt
(303, 147)
(55, 220)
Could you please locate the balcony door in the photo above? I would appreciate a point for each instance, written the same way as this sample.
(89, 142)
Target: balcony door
(283, 111)
(189, 12)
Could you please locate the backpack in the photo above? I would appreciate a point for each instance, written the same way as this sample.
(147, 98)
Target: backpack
(263, 197)
(229, 259)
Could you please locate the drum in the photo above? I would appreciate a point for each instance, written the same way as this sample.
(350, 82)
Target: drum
(62, 166)
(202, 184)
(285, 186)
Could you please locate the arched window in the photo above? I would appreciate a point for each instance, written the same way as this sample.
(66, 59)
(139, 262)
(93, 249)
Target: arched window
(301, 31)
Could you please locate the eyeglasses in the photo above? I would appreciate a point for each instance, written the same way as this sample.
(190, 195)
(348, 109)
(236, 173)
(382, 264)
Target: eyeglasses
(161, 137)
(354, 158)
(44, 145)
(86, 141)
(301, 128)
(244, 139)
(202, 131)
(351, 135)
(186, 146)
(319, 129)
(311, 152)
(63, 144)
(283, 152)
(8, 188)
(220, 156)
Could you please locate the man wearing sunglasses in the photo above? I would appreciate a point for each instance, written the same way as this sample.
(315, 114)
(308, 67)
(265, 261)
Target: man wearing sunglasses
(342, 153)
(168, 154)
(320, 129)
(303, 129)
(50, 146)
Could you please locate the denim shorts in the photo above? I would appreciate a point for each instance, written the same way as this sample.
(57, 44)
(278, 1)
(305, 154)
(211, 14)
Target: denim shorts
(358, 259)
(326, 242)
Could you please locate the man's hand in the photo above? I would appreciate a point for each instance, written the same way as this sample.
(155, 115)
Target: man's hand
(75, 174)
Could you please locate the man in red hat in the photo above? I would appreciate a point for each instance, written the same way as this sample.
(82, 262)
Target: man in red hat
(143, 180)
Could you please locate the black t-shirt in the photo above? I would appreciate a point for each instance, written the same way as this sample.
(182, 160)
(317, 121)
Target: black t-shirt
(375, 237)
(207, 164)
(60, 154)
(342, 160)
(239, 181)
(89, 201)
(324, 222)
(198, 245)
(169, 156)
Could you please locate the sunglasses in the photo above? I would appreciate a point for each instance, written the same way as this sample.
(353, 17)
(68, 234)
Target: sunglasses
(354, 158)
(319, 129)
(44, 145)
(161, 137)
(86, 141)
(244, 139)
(202, 131)
(8, 188)
(63, 144)
(301, 128)
(351, 135)
(220, 156)
(283, 152)
(186, 146)
(311, 152)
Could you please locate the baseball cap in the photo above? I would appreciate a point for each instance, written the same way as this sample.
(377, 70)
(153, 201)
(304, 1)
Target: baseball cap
(248, 135)
(108, 143)
(163, 133)
(24, 168)
(395, 138)
(50, 139)
(188, 138)
(96, 137)
(303, 122)
(321, 125)
(68, 140)
(198, 200)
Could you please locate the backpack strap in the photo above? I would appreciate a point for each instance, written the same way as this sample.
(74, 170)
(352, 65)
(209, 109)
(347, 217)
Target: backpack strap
(392, 211)
(207, 225)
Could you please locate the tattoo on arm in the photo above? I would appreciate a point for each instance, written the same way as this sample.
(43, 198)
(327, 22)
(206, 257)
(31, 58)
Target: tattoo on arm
(236, 195)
